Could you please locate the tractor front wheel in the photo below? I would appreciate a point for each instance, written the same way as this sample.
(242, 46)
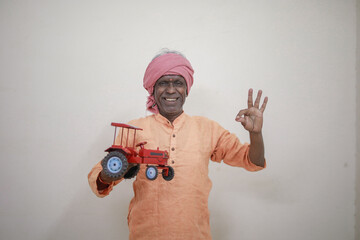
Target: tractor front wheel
(151, 173)
(170, 175)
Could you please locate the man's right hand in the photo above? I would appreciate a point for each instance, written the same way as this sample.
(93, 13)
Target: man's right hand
(103, 181)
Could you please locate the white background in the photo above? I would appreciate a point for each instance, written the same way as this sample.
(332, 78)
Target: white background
(69, 68)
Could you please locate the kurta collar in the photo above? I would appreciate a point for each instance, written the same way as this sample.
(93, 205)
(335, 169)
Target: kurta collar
(176, 123)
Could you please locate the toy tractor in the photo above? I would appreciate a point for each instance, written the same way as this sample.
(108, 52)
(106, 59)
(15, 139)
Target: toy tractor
(124, 161)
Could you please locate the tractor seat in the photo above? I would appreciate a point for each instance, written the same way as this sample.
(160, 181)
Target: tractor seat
(141, 144)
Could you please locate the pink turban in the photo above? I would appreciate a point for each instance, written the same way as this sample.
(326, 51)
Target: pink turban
(167, 64)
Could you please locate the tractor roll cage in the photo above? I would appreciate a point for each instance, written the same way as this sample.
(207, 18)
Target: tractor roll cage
(122, 125)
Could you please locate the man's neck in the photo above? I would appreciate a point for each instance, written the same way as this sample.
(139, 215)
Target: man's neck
(170, 117)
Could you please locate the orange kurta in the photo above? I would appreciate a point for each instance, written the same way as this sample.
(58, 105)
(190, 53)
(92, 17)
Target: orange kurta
(178, 209)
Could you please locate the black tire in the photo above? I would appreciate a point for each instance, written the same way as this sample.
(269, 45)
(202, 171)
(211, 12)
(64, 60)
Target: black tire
(114, 165)
(170, 176)
(151, 173)
(132, 172)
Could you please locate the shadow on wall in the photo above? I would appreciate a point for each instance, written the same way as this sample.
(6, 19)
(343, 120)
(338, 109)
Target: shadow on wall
(86, 216)
(90, 218)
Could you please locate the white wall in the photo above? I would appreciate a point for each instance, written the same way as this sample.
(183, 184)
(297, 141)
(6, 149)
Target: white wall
(69, 68)
(357, 184)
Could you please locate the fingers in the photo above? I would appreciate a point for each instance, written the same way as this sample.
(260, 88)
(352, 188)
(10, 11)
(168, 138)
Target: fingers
(257, 100)
(250, 98)
(263, 106)
(252, 117)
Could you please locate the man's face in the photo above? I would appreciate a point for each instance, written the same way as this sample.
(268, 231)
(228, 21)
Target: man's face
(170, 94)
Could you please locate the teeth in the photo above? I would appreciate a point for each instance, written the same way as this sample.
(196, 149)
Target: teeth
(170, 99)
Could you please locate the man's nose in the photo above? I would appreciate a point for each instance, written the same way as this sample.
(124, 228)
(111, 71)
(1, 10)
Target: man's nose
(170, 88)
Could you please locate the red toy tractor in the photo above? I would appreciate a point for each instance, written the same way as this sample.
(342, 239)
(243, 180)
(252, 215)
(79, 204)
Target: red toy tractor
(124, 161)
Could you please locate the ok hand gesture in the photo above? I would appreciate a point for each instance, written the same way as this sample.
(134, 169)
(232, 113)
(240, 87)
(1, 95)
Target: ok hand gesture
(252, 117)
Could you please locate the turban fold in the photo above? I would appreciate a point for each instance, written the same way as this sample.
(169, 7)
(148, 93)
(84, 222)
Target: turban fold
(167, 64)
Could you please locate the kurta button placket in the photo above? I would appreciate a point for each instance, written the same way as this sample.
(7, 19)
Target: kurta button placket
(173, 145)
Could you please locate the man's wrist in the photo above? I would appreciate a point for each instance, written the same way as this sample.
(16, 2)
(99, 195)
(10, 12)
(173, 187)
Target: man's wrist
(256, 133)
(101, 184)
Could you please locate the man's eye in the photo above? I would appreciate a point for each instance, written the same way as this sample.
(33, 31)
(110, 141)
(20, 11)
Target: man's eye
(179, 84)
(162, 84)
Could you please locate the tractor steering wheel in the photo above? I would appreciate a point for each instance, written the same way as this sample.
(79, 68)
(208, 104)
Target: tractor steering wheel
(141, 144)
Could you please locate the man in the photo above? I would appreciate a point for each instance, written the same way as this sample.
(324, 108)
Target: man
(178, 209)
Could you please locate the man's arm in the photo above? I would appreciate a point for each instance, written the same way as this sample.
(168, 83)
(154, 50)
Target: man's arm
(252, 120)
(256, 152)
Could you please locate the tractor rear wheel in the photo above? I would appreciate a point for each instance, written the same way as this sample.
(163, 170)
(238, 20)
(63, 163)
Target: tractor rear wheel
(170, 175)
(132, 172)
(114, 165)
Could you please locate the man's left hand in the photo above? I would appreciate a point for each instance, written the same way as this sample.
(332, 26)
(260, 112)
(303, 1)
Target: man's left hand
(252, 117)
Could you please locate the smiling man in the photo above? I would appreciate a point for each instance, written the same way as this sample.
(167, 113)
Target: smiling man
(170, 94)
(178, 209)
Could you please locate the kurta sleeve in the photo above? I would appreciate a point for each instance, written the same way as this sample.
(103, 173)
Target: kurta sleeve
(228, 148)
(92, 178)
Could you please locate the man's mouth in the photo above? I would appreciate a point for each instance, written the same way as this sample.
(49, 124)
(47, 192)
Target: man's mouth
(171, 99)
